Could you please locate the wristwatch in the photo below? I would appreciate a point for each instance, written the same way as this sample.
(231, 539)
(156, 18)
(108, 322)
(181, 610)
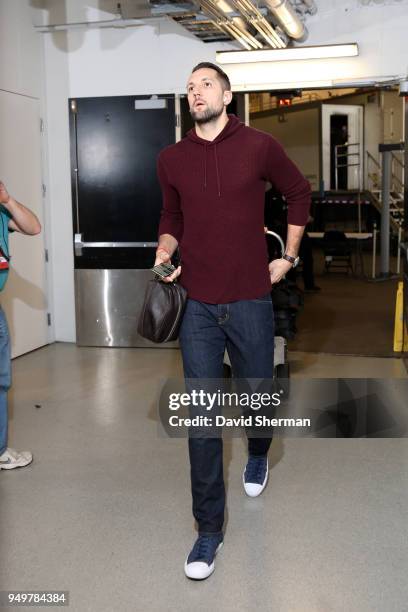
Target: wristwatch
(293, 260)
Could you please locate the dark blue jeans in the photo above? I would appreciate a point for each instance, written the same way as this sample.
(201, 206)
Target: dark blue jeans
(246, 329)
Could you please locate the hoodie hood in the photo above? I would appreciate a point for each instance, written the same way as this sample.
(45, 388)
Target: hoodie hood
(231, 128)
(233, 125)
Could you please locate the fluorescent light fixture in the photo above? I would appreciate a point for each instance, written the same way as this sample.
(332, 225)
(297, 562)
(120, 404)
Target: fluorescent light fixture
(282, 55)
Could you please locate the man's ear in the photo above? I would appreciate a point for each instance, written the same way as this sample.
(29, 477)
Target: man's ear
(227, 97)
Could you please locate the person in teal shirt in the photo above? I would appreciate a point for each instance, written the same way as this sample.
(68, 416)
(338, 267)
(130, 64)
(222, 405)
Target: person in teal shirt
(14, 217)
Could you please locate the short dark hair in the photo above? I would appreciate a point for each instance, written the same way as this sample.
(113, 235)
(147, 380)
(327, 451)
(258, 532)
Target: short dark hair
(226, 85)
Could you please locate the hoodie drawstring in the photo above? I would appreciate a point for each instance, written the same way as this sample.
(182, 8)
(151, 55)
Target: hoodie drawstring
(216, 169)
(205, 167)
(232, 127)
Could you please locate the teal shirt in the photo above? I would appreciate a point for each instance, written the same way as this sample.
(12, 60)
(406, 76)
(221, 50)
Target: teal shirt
(4, 233)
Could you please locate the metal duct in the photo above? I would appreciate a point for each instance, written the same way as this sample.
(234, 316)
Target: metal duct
(287, 18)
(253, 16)
(228, 25)
(228, 10)
(253, 26)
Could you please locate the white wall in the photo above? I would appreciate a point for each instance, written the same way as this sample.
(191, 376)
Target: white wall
(20, 50)
(157, 58)
(24, 298)
(59, 186)
(393, 111)
(21, 96)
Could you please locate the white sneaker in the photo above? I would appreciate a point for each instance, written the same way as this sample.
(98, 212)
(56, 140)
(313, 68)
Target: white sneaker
(255, 475)
(200, 563)
(11, 459)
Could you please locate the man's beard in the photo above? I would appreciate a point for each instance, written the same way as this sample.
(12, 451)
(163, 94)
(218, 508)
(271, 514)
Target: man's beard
(210, 114)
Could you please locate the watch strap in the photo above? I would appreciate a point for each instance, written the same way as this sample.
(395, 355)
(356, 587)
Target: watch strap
(289, 258)
(293, 260)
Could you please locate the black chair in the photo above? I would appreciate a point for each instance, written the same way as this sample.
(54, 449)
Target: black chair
(337, 251)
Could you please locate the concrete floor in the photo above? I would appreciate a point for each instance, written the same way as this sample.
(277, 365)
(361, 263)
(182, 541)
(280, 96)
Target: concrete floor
(104, 510)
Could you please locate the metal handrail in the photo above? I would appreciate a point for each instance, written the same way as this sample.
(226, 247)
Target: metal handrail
(397, 159)
(377, 163)
(376, 175)
(394, 177)
(370, 156)
(400, 177)
(348, 154)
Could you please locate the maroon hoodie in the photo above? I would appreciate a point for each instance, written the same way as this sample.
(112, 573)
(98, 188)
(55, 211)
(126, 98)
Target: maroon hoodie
(213, 204)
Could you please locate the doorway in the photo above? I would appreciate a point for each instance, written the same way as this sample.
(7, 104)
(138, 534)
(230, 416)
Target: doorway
(350, 315)
(342, 146)
(338, 152)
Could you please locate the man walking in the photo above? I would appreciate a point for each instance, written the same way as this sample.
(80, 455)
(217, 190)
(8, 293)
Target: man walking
(15, 217)
(213, 184)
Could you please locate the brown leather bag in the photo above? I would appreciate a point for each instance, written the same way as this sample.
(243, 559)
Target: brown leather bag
(162, 311)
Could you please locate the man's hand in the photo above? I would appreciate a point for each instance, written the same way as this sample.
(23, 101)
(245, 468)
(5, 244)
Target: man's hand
(4, 194)
(162, 256)
(278, 268)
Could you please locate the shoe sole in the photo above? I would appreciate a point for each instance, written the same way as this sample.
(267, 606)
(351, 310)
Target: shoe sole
(212, 566)
(263, 486)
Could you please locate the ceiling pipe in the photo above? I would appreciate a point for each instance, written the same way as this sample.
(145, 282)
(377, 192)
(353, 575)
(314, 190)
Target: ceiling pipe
(287, 18)
(259, 22)
(253, 16)
(228, 10)
(226, 25)
(230, 25)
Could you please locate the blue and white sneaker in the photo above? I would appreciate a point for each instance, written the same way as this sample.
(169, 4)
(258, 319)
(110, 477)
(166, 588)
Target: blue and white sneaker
(255, 475)
(200, 562)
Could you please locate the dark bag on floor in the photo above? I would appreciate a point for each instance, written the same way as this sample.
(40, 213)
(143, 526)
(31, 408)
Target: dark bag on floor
(162, 311)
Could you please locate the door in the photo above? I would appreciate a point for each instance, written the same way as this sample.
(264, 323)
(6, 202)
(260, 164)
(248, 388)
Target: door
(115, 142)
(24, 297)
(342, 146)
(117, 200)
